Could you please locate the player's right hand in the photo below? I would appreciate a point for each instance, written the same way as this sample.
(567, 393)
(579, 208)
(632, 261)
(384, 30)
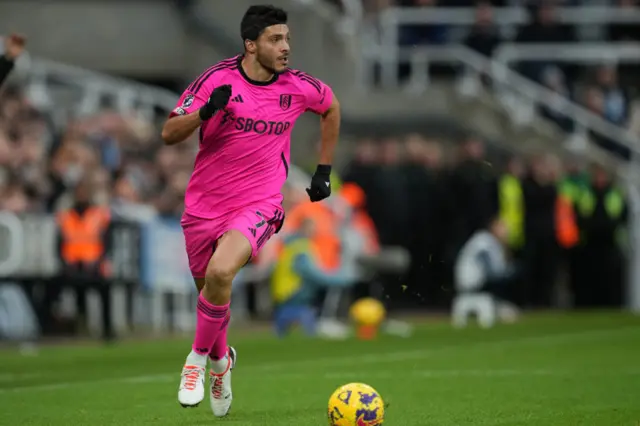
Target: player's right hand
(219, 99)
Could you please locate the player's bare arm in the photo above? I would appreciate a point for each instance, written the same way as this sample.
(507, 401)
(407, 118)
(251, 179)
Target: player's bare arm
(320, 187)
(330, 131)
(179, 128)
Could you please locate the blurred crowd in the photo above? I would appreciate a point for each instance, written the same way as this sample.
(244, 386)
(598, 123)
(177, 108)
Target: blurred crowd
(121, 159)
(565, 219)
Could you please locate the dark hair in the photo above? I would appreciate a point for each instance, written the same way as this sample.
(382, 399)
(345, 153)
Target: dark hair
(259, 17)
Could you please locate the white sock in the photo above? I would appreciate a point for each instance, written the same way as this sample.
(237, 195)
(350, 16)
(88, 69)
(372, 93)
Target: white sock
(195, 358)
(220, 366)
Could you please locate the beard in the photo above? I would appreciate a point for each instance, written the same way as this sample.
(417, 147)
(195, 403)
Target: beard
(267, 63)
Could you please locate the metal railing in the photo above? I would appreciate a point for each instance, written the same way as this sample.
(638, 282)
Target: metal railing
(577, 53)
(503, 78)
(574, 53)
(387, 27)
(42, 76)
(507, 16)
(347, 23)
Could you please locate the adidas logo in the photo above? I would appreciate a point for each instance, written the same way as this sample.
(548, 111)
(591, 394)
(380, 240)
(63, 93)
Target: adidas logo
(253, 231)
(238, 99)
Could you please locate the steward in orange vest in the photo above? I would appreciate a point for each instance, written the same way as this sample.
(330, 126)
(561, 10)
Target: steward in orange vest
(82, 234)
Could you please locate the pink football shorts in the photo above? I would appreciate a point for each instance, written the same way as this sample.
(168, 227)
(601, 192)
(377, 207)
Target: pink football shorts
(257, 222)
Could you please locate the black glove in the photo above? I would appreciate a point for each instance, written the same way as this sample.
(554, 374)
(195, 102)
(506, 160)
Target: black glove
(320, 183)
(219, 99)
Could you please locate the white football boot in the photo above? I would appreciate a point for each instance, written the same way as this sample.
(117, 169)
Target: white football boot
(220, 387)
(191, 390)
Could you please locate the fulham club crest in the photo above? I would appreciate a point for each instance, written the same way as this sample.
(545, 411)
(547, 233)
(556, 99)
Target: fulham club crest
(285, 102)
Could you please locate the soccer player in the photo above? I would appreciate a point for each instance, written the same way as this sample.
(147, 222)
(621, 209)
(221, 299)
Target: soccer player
(245, 108)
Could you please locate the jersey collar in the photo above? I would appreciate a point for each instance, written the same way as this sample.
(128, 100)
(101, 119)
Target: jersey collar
(251, 81)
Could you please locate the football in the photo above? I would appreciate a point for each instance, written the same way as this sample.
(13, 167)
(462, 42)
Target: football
(355, 404)
(367, 311)
(367, 314)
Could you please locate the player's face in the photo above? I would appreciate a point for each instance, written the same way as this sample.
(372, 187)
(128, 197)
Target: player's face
(273, 48)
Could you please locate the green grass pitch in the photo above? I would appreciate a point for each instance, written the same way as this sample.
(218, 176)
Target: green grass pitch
(549, 369)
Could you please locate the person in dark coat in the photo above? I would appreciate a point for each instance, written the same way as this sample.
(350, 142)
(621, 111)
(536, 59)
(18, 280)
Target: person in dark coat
(541, 252)
(602, 217)
(13, 47)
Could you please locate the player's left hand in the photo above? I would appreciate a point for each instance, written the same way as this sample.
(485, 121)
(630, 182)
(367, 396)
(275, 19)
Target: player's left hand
(219, 99)
(13, 46)
(320, 183)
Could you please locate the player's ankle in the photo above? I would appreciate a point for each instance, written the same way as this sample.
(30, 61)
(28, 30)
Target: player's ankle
(194, 358)
(219, 366)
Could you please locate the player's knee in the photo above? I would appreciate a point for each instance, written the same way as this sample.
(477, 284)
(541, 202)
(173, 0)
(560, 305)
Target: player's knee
(220, 274)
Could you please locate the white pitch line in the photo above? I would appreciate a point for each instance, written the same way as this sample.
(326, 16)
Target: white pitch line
(11, 377)
(490, 373)
(343, 375)
(334, 362)
(423, 353)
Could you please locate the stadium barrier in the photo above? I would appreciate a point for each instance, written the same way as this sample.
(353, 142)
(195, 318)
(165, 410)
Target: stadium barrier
(148, 287)
(30, 263)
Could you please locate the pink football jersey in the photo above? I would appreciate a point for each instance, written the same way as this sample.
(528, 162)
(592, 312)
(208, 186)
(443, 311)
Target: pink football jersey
(245, 148)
